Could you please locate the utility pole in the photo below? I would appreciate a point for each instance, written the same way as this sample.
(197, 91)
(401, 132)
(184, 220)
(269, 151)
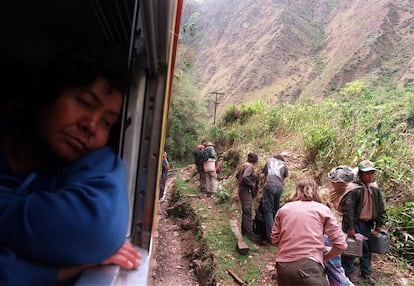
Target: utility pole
(215, 103)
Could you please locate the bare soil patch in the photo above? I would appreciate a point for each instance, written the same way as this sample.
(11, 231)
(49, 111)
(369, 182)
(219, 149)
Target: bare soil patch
(172, 265)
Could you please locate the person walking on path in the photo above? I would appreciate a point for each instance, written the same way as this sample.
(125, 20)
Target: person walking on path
(165, 167)
(298, 234)
(209, 166)
(276, 172)
(247, 182)
(363, 209)
(199, 162)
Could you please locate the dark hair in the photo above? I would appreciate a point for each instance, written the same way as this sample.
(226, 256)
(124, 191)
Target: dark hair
(252, 157)
(279, 157)
(78, 66)
(13, 89)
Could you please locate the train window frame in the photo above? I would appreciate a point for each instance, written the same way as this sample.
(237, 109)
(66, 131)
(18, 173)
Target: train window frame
(149, 30)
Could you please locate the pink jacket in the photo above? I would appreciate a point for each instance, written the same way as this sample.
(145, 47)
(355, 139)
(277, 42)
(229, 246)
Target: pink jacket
(298, 231)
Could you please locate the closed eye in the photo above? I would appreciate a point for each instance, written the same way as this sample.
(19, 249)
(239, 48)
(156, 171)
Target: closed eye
(84, 102)
(108, 121)
(106, 124)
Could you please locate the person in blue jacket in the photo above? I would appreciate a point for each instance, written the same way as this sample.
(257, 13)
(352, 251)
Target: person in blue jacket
(63, 198)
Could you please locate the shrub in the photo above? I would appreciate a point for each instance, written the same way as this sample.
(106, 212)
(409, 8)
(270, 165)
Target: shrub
(410, 116)
(223, 195)
(318, 140)
(217, 134)
(402, 229)
(231, 114)
(273, 119)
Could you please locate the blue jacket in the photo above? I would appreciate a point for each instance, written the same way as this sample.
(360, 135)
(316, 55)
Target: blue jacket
(70, 214)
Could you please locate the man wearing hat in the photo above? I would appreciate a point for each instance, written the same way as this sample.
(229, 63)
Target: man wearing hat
(363, 212)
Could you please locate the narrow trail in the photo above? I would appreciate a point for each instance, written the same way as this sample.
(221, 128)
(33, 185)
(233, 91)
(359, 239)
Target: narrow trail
(171, 267)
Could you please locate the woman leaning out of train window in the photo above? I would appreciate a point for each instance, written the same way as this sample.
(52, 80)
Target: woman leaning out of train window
(63, 197)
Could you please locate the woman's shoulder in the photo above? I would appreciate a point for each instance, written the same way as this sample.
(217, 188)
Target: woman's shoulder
(102, 154)
(312, 205)
(101, 160)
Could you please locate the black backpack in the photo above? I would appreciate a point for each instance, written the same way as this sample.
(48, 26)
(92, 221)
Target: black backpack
(197, 157)
(259, 227)
(205, 154)
(200, 156)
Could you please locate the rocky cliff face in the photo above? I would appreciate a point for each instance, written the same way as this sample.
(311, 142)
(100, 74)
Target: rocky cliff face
(279, 50)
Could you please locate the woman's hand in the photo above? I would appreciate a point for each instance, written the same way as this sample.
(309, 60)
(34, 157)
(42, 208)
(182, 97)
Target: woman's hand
(126, 257)
(333, 252)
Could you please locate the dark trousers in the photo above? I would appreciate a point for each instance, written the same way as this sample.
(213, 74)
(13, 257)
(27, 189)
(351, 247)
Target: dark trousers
(270, 206)
(365, 267)
(202, 176)
(301, 272)
(163, 182)
(246, 200)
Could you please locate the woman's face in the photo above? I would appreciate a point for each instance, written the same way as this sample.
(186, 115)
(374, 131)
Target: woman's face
(80, 120)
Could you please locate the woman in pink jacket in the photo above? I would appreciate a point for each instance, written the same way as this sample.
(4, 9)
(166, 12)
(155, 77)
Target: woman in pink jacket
(298, 233)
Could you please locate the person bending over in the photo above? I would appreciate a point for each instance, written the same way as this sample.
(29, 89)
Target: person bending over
(298, 232)
(276, 173)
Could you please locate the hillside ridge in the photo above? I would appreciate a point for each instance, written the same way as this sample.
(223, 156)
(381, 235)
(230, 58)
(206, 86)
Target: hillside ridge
(281, 50)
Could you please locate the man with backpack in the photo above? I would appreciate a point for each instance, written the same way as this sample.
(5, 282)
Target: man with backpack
(209, 157)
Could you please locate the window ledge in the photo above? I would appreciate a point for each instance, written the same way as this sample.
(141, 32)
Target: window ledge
(113, 275)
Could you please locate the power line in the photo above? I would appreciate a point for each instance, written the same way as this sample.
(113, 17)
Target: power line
(215, 103)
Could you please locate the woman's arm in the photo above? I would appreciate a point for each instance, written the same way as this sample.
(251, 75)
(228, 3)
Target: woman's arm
(127, 257)
(276, 230)
(332, 253)
(15, 271)
(83, 222)
(335, 234)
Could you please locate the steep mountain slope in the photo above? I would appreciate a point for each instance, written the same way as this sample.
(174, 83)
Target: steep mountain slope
(367, 38)
(279, 50)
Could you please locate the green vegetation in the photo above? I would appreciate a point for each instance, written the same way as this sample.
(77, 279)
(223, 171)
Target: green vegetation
(223, 195)
(358, 123)
(401, 223)
(188, 116)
